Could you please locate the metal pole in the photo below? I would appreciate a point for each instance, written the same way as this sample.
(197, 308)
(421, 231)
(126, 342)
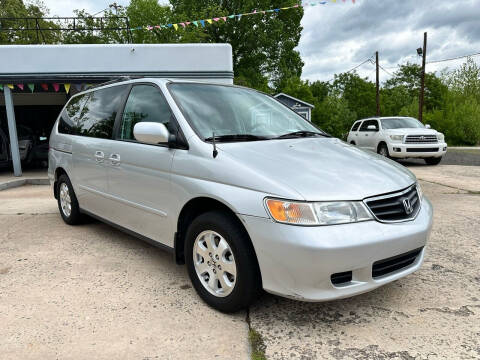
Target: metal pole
(12, 130)
(377, 84)
(422, 85)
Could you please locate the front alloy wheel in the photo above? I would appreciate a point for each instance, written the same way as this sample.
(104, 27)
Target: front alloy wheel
(214, 263)
(65, 200)
(221, 261)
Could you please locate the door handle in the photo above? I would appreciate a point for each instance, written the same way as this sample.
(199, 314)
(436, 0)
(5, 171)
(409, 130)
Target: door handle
(99, 156)
(366, 134)
(114, 159)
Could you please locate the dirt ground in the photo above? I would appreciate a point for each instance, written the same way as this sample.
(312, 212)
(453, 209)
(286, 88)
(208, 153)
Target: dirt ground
(91, 291)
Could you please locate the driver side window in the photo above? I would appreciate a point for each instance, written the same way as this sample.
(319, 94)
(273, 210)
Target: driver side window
(145, 104)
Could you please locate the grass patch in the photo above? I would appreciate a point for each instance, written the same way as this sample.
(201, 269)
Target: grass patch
(257, 345)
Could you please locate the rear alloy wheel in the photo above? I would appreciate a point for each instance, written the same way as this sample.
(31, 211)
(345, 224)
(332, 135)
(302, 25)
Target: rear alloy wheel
(221, 262)
(433, 160)
(67, 201)
(383, 150)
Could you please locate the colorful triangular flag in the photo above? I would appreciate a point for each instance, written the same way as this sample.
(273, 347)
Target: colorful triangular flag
(210, 21)
(67, 88)
(21, 86)
(175, 26)
(56, 87)
(10, 86)
(1, 87)
(31, 87)
(44, 86)
(195, 23)
(202, 22)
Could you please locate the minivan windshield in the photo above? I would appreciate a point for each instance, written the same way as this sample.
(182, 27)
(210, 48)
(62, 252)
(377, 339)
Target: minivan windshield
(238, 114)
(401, 123)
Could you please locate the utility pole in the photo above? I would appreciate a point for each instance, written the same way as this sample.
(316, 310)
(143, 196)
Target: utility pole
(378, 84)
(422, 84)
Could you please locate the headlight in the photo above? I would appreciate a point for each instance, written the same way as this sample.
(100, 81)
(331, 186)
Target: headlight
(440, 137)
(396, 137)
(317, 213)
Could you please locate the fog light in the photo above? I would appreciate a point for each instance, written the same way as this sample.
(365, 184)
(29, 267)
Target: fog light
(445, 148)
(397, 149)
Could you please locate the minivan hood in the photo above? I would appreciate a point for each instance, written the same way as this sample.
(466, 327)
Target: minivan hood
(320, 169)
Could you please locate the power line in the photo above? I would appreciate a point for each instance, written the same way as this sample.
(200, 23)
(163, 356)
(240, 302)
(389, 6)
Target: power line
(388, 72)
(454, 58)
(354, 68)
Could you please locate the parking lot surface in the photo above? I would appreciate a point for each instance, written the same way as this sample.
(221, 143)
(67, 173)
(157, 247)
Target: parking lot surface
(91, 291)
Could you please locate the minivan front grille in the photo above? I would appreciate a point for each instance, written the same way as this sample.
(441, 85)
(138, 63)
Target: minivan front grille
(400, 206)
(387, 266)
(421, 139)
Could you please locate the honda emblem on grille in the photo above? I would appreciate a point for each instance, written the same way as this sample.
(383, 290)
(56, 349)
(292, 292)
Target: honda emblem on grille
(407, 206)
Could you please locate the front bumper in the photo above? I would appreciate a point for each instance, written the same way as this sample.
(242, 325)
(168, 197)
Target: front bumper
(400, 150)
(298, 262)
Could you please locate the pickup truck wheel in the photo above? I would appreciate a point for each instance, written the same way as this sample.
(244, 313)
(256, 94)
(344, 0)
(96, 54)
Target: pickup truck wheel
(221, 262)
(383, 150)
(67, 201)
(433, 160)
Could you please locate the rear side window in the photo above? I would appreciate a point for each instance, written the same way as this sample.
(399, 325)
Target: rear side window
(93, 114)
(356, 125)
(71, 114)
(145, 104)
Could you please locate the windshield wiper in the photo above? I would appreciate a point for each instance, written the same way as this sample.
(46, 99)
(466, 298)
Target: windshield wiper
(301, 133)
(237, 137)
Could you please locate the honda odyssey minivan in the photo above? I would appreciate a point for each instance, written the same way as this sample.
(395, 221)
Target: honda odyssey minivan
(243, 190)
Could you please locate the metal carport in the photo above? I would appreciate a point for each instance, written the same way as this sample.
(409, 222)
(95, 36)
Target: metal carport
(61, 69)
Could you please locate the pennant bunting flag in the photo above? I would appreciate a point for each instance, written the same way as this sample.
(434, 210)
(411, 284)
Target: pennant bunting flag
(175, 26)
(56, 87)
(10, 86)
(209, 21)
(183, 24)
(31, 87)
(224, 18)
(67, 88)
(1, 87)
(195, 23)
(216, 19)
(44, 87)
(202, 22)
(20, 86)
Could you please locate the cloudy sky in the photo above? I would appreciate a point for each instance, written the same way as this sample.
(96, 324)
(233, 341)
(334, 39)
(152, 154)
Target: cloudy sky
(338, 36)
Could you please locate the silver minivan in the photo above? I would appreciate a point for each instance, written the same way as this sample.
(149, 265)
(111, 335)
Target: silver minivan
(243, 190)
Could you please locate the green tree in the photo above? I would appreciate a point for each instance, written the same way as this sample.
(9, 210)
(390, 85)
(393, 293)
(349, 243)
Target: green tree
(263, 45)
(334, 116)
(19, 9)
(358, 92)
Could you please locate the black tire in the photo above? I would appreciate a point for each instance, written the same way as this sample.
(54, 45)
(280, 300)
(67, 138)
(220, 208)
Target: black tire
(353, 143)
(433, 160)
(75, 216)
(247, 282)
(383, 150)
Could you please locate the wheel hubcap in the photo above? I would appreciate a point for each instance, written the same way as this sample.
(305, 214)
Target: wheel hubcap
(383, 151)
(214, 263)
(65, 200)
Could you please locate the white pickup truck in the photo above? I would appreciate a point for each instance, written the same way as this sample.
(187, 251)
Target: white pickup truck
(399, 137)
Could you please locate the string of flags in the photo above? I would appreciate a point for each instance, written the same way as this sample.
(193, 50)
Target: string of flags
(225, 18)
(45, 87)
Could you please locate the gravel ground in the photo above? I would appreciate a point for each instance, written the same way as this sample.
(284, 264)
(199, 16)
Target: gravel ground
(91, 291)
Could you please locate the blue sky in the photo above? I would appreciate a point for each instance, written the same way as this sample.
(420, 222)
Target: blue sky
(338, 36)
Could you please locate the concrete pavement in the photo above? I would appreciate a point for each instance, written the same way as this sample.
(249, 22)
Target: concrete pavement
(91, 291)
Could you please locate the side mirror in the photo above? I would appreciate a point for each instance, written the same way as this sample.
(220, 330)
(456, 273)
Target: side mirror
(150, 133)
(372, 128)
(427, 126)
